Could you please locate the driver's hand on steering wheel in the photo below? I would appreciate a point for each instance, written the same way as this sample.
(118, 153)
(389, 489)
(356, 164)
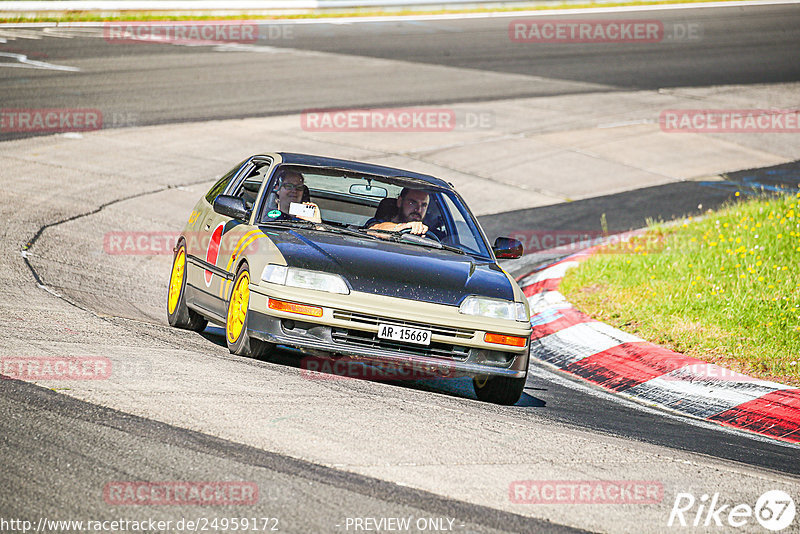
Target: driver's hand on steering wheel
(415, 227)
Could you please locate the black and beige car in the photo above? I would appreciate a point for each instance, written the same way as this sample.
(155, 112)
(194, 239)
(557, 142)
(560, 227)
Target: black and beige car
(333, 285)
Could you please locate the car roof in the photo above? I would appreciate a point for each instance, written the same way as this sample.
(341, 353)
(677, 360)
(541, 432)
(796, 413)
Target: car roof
(357, 166)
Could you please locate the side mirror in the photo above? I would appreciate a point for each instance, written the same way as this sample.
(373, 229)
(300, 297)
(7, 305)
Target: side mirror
(506, 247)
(230, 206)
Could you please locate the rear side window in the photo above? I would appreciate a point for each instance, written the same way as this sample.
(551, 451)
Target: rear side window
(222, 183)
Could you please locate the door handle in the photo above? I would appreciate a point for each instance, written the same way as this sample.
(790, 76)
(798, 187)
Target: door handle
(208, 227)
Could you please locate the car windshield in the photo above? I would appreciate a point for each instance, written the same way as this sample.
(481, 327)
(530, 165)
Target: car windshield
(356, 202)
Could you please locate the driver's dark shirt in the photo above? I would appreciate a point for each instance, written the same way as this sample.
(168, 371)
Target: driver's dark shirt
(372, 222)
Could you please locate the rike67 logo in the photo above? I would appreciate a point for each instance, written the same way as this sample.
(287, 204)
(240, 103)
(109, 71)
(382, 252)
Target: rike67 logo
(774, 510)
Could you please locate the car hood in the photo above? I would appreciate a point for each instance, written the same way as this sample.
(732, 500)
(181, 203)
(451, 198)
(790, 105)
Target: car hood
(400, 270)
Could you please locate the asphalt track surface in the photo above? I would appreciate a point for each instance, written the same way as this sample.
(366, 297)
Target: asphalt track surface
(145, 83)
(90, 440)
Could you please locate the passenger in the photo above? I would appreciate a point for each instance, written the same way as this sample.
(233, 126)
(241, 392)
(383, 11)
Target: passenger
(412, 204)
(291, 191)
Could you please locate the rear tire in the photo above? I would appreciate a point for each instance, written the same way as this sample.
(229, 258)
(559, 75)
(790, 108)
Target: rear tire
(236, 335)
(178, 313)
(498, 389)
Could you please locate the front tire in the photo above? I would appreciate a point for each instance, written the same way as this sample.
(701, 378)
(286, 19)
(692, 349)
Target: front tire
(178, 313)
(236, 336)
(498, 389)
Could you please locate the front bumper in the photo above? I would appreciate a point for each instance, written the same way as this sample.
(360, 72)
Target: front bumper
(313, 338)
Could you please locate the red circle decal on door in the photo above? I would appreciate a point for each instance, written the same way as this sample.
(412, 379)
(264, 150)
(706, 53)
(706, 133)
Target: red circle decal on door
(213, 251)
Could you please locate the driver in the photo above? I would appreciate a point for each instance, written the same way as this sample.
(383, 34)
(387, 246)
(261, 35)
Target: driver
(412, 204)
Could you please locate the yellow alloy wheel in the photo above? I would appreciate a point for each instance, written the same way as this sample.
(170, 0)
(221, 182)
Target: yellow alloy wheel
(176, 280)
(237, 309)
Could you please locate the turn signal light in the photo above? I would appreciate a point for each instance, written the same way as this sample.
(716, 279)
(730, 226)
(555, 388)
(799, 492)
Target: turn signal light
(500, 339)
(291, 307)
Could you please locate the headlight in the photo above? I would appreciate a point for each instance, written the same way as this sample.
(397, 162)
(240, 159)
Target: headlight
(303, 278)
(495, 308)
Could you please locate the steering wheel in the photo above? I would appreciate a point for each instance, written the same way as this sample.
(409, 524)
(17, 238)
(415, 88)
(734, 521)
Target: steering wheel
(429, 235)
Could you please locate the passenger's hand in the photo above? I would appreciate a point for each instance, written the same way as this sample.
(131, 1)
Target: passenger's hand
(316, 218)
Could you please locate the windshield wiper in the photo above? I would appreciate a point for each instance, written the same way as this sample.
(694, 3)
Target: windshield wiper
(346, 231)
(288, 223)
(432, 243)
(451, 248)
(414, 239)
(322, 227)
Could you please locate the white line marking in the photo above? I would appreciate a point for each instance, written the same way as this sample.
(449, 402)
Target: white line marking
(719, 377)
(26, 63)
(579, 341)
(51, 291)
(626, 123)
(16, 6)
(701, 398)
(244, 47)
(541, 302)
(21, 34)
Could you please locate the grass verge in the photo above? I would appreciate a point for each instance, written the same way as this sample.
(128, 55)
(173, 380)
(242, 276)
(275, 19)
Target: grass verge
(724, 288)
(132, 16)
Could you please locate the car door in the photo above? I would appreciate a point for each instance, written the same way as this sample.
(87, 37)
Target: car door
(197, 236)
(226, 237)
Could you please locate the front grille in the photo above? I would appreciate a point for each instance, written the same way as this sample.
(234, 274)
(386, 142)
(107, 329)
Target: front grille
(373, 320)
(371, 340)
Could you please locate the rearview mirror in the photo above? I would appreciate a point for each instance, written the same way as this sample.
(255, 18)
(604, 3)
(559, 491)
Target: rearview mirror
(508, 248)
(231, 206)
(368, 190)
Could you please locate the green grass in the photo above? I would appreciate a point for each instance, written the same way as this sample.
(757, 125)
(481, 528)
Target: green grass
(89, 16)
(724, 288)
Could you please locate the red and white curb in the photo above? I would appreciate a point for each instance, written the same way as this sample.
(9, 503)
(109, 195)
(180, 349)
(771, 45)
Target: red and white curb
(625, 364)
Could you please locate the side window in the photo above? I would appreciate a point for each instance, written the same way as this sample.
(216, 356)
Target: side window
(250, 184)
(222, 183)
(462, 235)
(433, 218)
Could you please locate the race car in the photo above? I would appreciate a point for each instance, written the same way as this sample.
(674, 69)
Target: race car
(349, 259)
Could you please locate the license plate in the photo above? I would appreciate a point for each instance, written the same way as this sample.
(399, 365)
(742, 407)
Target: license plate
(404, 334)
